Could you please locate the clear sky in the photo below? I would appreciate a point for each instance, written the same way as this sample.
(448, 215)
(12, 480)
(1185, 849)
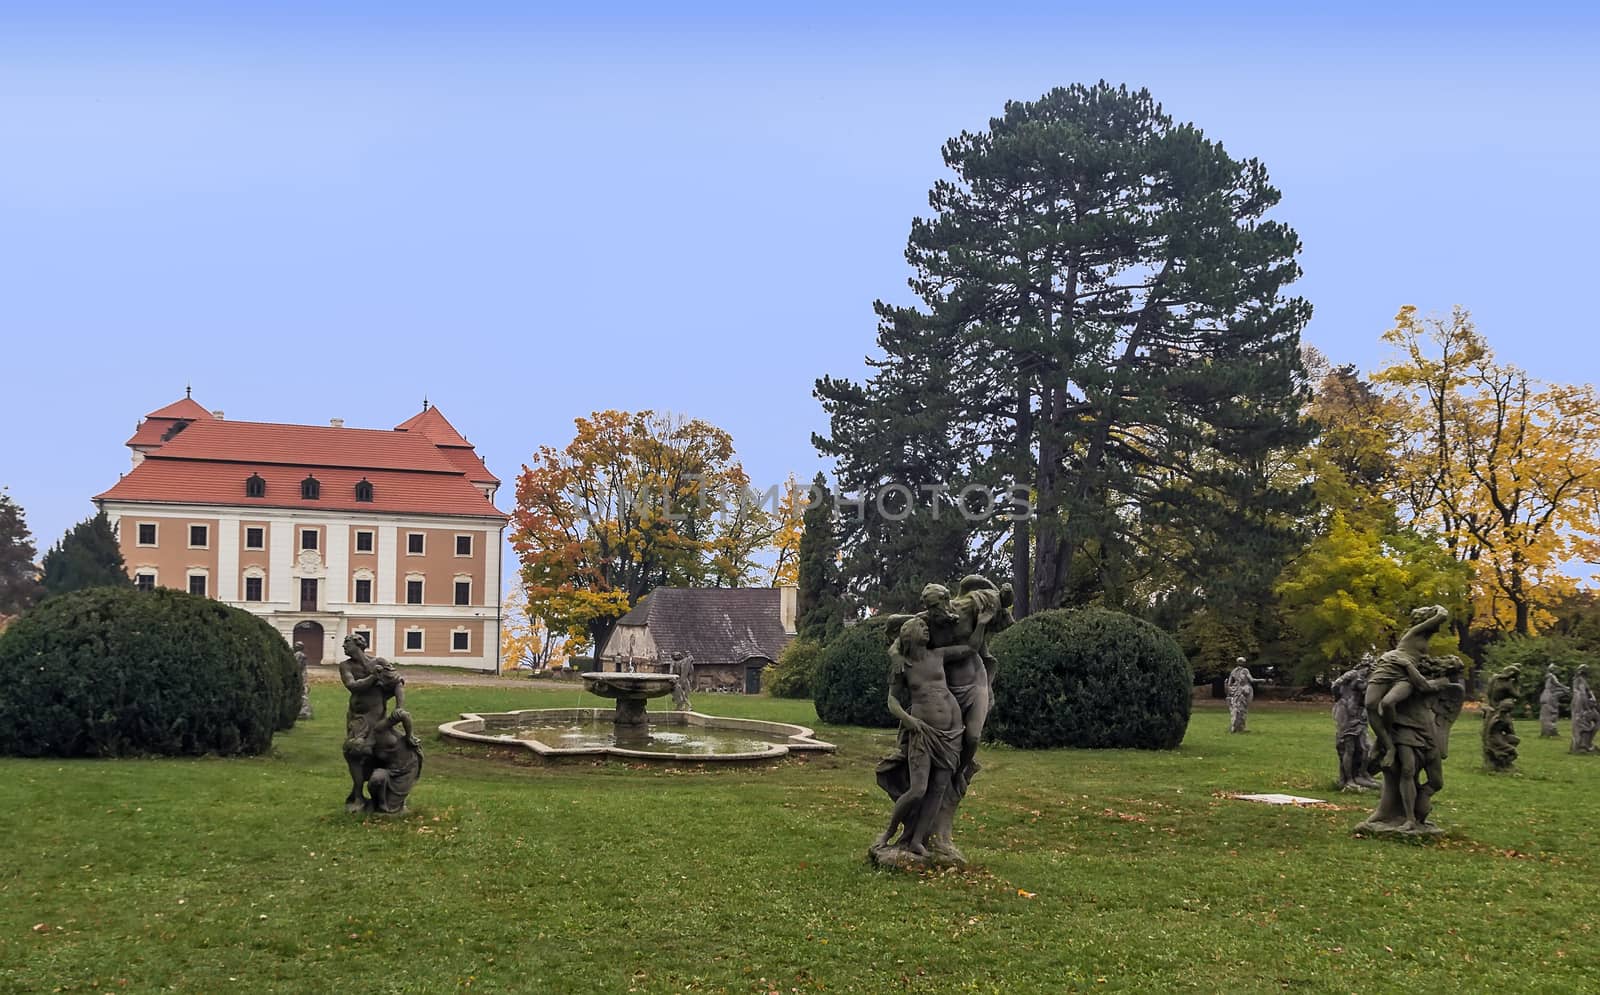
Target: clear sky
(528, 213)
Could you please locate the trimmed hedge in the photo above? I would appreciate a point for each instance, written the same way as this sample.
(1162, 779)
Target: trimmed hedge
(852, 685)
(1089, 678)
(795, 674)
(109, 672)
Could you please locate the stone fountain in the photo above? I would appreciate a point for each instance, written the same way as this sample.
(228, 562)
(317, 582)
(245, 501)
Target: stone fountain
(628, 731)
(630, 725)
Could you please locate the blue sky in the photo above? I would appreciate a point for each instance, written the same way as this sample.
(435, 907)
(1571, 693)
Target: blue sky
(528, 213)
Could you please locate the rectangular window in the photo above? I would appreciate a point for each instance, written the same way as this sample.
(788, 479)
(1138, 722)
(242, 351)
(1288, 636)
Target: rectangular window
(463, 592)
(365, 635)
(308, 594)
(147, 533)
(255, 538)
(363, 591)
(145, 581)
(197, 584)
(252, 588)
(414, 543)
(461, 642)
(413, 639)
(308, 538)
(464, 545)
(199, 536)
(363, 541)
(413, 592)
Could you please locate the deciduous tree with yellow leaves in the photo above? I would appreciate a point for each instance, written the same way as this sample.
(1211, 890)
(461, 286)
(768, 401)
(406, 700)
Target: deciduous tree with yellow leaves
(1504, 467)
(635, 501)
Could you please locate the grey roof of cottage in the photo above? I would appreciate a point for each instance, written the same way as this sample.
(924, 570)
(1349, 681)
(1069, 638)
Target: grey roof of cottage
(714, 625)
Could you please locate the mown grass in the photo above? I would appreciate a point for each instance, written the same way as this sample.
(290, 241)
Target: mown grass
(1096, 871)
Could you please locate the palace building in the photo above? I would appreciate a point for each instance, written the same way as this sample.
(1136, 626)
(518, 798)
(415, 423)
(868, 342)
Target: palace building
(321, 530)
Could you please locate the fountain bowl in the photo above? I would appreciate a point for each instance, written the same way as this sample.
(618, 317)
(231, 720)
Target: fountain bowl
(627, 686)
(540, 731)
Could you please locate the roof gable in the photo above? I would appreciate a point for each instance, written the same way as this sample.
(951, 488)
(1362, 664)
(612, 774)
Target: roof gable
(186, 407)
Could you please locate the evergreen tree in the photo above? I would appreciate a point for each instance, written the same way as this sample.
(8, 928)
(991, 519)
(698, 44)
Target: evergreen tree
(1101, 302)
(19, 588)
(820, 608)
(87, 556)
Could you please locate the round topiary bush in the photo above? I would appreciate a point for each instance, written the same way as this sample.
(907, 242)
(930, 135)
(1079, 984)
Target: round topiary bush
(1089, 678)
(109, 672)
(795, 675)
(852, 682)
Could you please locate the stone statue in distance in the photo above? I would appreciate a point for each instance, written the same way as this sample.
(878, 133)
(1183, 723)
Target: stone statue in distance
(1585, 712)
(1550, 703)
(305, 681)
(1499, 734)
(1241, 689)
(683, 670)
(1350, 727)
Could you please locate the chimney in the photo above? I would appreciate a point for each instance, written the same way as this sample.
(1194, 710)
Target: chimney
(788, 607)
(336, 422)
(217, 414)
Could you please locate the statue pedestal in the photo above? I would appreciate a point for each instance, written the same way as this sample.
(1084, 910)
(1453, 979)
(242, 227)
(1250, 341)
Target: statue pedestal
(894, 858)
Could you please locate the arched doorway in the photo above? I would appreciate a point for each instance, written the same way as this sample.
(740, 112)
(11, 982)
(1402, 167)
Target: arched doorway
(309, 636)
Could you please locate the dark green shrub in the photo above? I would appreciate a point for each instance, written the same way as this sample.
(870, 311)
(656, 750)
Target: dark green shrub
(1089, 678)
(852, 683)
(115, 671)
(795, 674)
(582, 664)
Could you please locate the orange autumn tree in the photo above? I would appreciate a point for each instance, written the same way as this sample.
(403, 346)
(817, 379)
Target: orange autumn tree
(525, 639)
(633, 502)
(1503, 467)
(786, 540)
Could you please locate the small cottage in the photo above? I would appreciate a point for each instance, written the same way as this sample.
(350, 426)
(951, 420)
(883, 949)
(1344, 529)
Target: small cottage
(732, 634)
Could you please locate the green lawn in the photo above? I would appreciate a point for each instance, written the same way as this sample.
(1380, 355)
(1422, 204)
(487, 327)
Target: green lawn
(1097, 871)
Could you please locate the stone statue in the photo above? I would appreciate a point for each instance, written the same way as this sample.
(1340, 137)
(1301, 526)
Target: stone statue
(1397, 675)
(957, 634)
(1499, 734)
(1413, 728)
(683, 670)
(1585, 712)
(305, 681)
(384, 765)
(1350, 727)
(1550, 703)
(1241, 688)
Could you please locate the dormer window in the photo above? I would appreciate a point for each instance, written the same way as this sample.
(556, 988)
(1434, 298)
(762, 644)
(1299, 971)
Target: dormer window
(255, 486)
(363, 490)
(310, 488)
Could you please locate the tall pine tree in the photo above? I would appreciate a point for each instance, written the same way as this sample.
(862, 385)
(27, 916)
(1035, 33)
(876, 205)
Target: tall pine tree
(1104, 320)
(87, 556)
(19, 588)
(820, 606)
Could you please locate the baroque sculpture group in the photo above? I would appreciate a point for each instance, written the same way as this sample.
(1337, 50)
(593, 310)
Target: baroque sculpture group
(940, 676)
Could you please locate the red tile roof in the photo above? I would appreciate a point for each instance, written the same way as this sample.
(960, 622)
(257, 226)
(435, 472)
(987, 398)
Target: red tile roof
(186, 408)
(428, 469)
(435, 426)
(168, 481)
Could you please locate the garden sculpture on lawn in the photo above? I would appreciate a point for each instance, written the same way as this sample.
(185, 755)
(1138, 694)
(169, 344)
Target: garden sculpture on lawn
(1415, 728)
(1550, 703)
(683, 669)
(1241, 689)
(1499, 734)
(305, 681)
(1350, 727)
(384, 764)
(935, 760)
(1585, 712)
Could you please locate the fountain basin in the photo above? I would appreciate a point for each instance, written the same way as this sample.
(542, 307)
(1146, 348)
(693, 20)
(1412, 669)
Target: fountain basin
(626, 687)
(555, 734)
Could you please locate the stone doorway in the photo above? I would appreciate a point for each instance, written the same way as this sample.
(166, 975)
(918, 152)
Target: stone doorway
(310, 637)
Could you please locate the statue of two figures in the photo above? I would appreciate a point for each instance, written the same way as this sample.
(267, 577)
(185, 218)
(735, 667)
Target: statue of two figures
(1411, 701)
(940, 678)
(1550, 703)
(1585, 712)
(384, 755)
